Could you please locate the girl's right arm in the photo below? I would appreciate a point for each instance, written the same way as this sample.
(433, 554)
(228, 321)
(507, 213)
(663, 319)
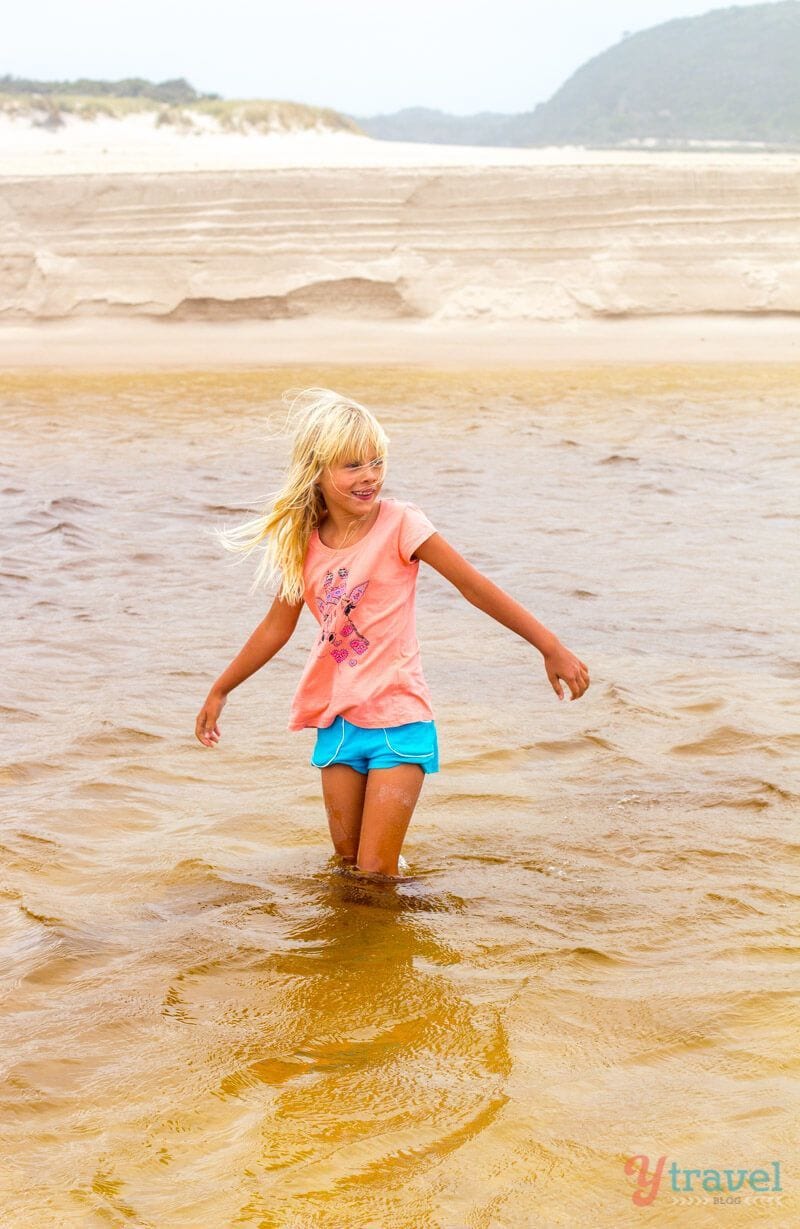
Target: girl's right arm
(269, 637)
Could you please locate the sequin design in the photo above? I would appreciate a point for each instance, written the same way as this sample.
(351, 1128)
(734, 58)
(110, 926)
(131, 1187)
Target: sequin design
(347, 644)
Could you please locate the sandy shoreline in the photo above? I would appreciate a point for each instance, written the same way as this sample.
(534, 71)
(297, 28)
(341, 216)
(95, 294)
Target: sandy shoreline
(137, 145)
(119, 344)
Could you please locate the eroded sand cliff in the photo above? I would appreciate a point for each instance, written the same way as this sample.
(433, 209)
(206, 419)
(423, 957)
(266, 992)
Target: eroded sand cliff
(495, 243)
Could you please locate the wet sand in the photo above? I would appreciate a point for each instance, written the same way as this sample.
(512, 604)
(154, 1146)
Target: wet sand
(131, 344)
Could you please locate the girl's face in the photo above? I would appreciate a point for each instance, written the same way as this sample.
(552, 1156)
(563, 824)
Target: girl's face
(352, 484)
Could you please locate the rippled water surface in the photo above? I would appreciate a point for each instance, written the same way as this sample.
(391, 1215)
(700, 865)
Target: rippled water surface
(207, 1024)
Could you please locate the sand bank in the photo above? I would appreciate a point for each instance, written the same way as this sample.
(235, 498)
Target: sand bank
(456, 235)
(505, 244)
(135, 344)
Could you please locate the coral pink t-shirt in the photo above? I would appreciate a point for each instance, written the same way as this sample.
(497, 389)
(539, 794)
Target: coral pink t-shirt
(365, 663)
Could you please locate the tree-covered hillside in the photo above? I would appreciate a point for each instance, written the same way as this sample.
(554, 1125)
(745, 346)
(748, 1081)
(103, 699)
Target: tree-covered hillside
(731, 75)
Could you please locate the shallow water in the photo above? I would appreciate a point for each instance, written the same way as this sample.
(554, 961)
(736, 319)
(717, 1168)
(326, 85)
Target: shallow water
(205, 1022)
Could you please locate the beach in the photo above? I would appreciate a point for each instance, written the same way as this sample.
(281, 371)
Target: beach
(113, 344)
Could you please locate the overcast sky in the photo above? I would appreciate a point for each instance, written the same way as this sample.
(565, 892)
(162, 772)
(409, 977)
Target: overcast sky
(358, 56)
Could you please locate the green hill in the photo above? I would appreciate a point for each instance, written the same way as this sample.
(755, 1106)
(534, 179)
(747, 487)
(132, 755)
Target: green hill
(731, 75)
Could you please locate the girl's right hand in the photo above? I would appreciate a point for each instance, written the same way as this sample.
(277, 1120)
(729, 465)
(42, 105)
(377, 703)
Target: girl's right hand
(206, 726)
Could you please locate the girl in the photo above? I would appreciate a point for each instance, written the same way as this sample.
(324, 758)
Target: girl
(353, 558)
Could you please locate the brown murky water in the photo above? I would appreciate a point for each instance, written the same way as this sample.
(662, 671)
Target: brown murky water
(205, 1024)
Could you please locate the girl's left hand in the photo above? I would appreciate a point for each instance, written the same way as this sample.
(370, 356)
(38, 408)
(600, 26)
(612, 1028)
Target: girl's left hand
(561, 664)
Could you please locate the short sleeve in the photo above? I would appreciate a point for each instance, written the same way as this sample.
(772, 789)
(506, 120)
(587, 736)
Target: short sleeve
(414, 529)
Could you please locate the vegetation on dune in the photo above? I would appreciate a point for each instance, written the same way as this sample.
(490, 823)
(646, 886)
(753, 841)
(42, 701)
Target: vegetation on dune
(266, 115)
(174, 103)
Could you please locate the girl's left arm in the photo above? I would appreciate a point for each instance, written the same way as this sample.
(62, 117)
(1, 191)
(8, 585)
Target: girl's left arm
(559, 662)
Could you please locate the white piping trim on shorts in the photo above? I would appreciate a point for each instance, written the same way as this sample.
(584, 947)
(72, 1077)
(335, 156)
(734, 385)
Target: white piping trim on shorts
(427, 755)
(336, 752)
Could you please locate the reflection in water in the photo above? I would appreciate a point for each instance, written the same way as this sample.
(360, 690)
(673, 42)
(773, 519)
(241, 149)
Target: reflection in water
(206, 1020)
(384, 1067)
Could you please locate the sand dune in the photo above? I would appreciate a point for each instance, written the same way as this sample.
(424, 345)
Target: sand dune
(502, 243)
(567, 238)
(137, 143)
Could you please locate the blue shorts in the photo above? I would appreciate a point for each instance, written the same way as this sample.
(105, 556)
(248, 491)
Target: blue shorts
(344, 743)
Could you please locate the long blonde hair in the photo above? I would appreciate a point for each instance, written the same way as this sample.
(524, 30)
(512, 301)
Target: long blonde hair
(327, 428)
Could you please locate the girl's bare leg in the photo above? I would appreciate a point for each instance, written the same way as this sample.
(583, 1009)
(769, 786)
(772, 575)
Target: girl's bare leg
(391, 796)
(343, 791)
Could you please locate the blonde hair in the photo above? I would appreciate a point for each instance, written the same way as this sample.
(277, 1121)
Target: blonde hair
(327, 428)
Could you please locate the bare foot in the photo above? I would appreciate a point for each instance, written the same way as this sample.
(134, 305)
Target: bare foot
(350, 865)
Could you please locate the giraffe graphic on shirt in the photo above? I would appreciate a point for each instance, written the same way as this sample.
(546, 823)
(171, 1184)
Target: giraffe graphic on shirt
(345, 642)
